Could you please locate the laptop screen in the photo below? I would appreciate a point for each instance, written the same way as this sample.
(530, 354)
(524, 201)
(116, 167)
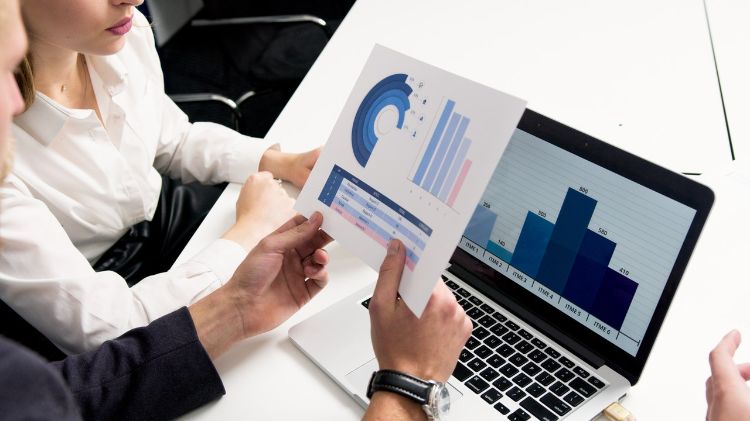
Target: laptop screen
(591, 244)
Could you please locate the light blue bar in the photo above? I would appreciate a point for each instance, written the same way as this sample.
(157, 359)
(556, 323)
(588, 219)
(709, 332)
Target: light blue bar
(499, 251)
(427, 157)
(455, 168)
(450, 156)
(442, 150)
(374, 226)
(384, 216)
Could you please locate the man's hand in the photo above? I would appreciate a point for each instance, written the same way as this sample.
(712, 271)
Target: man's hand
(425, 347)
(292, 167)
(279, 276)
(263, 205)
(727, 394)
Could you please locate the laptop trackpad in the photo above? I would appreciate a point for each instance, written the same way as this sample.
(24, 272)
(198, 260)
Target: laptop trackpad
(360, 376)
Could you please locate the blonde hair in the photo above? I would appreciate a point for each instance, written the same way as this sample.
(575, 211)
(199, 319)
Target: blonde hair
(25, 80)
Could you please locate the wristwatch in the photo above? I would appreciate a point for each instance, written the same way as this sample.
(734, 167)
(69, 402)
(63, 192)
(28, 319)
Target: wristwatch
(433, 396)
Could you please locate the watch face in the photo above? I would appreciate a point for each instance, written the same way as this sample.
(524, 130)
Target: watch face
(443, 400)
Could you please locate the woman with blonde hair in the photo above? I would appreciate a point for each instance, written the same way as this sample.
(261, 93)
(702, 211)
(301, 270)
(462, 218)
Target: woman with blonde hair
(97, 149)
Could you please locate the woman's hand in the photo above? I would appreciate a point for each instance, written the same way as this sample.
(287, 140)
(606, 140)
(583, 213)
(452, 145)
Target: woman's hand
(292, 167)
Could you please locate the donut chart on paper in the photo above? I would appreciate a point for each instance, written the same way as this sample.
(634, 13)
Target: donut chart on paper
(393, 91)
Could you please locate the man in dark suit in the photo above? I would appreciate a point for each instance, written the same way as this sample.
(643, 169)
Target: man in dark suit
(165, 369)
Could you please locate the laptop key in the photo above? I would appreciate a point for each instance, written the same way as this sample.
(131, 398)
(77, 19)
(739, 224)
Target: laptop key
(461, 372)
(492, 341)
(524, 334)
(511, 338)
(465, 305)
(545, 378)
(501, 408)
(480, 333)
(573, 398)
(491, 396)
(552, 353)
(487, 321)
(531, 369)
(559, 389)
(477, 385)
(518, 360)
(499, 329)
(556, 405)
(565, 375)
(477, 365)
(581, 372)
(489, 374)
(499, 316)
(566, 362)
(582, 387)
(512, 325)
(502, 383)
(483, 352)
(539, 344)
(519, 415)
(537, 356)
(509, 370)
(524, 347)
(464, 293)
(465, 355)
(516, 394)
(536, 390)
(475, 313)
(452, 285)
(495, 361)
(476, 301)
(487, 309)
(472, 343)
(596, 382)
(522, 380)
(505, 350)
(538, 410)
(551, 365)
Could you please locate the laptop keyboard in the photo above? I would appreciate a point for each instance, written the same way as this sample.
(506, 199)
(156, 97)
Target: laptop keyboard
(504, 363)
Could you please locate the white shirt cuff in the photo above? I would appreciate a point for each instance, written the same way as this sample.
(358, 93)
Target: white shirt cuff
(222, 257)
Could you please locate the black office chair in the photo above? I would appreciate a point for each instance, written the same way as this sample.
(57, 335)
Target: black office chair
(240, 72)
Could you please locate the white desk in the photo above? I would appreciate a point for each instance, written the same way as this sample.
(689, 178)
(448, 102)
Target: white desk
(589, 65)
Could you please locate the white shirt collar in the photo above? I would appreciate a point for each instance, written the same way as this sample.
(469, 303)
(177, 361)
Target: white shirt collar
(112, 72)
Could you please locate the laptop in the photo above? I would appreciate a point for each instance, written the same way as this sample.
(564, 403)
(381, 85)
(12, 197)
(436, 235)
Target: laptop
(567, 269)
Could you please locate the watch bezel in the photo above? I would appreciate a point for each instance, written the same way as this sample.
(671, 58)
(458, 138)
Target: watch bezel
(433, 406)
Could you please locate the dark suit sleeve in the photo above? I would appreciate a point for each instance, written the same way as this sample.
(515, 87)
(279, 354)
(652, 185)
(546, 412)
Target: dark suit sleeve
(155, 372)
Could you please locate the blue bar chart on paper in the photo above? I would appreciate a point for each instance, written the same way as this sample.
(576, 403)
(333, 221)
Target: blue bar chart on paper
(597, 247)
(442, 167)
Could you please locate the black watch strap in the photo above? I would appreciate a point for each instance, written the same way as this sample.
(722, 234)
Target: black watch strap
(400, 383)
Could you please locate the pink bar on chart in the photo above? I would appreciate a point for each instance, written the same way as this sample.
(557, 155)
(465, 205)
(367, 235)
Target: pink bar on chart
(410, 264)
(459, 182)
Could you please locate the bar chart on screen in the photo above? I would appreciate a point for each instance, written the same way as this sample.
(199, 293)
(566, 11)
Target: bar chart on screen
(594, 245)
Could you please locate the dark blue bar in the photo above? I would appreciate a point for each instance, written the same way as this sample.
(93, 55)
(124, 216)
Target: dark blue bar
(532, 242)
(338, 174)
(436, 135)
(614, 298)
(570, 227)
(480, 226)
(587, 274)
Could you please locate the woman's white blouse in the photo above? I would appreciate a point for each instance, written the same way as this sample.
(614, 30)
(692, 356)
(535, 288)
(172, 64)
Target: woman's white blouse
(77, 185)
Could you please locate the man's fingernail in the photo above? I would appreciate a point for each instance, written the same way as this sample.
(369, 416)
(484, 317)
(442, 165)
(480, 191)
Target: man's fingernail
(393, 247)
(315, 218)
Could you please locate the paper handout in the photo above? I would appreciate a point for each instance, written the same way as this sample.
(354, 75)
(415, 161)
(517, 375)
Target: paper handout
(409, 157)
